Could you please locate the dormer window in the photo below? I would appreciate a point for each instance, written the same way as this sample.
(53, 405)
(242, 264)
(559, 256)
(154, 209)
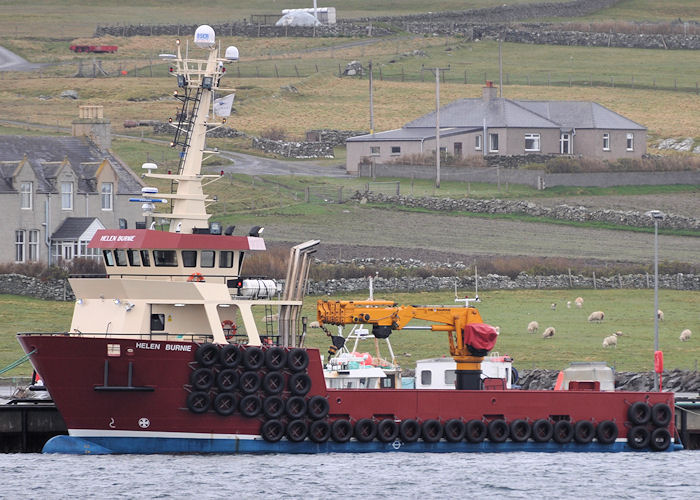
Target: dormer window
(66, 196)
(25, 195)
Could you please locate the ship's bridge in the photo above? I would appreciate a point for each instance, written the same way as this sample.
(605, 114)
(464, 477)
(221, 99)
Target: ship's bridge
(159, 255)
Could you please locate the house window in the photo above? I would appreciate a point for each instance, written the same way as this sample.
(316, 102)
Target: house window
(458, 149)
(493, 143)
(107, 188)
(19, 246)
(67, 196)
(477, 142)
(532, 142)
(606, 142)
(33, 245)
(25, 195)
(565, 144)
(630, 142)
(395, 150)
(374, 150)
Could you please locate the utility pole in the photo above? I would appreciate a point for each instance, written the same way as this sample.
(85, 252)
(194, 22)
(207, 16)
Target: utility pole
(371, 101)
(436, 71)
(500, 68)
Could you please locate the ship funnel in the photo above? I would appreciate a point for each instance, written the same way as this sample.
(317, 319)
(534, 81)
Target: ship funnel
(204, 37)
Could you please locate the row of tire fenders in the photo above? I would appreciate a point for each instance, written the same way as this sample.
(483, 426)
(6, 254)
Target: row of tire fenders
(218, 369)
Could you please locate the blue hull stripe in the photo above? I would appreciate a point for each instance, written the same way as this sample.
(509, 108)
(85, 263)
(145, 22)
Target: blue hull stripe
(145, 445)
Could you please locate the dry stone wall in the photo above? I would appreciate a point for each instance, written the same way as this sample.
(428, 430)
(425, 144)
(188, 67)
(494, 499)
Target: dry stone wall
(563, 212)
(672, 380)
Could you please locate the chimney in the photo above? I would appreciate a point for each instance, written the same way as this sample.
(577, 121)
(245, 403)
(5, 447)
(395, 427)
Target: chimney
(490, 92)
(91, 123)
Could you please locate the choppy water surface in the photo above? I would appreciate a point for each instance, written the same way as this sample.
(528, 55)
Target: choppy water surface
(343, 476)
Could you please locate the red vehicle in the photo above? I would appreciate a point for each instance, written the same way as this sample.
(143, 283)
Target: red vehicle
(97, 49)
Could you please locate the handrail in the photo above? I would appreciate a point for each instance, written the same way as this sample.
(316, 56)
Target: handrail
(169, 337)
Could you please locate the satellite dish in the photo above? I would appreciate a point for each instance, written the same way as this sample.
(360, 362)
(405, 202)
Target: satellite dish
(231, 53)
(204, 37)
(149, 166)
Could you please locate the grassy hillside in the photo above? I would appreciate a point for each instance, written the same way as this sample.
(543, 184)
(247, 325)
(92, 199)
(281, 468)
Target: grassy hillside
(630, 311)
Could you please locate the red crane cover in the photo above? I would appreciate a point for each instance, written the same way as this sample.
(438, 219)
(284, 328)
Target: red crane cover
(480, 336)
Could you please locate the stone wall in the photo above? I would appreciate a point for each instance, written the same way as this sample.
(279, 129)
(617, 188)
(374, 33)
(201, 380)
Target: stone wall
(17, 284)
(539, 179)
(334, 137)
(563, 212)
(672, 380)
(496, 282)
(294, 149)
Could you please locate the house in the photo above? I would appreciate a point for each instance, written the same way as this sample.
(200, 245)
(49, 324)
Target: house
(55, 192)
(494, 125)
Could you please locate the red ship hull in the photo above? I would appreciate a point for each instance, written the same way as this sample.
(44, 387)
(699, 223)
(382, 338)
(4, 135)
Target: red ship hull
(124, 395)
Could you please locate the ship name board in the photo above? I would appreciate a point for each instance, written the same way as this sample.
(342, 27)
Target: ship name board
(168, 347)
(114, 237)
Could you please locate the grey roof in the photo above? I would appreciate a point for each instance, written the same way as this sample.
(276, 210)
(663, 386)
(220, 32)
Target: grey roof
(466, 115)
(411, 134)
(72, 228)
(46, 154)
(581, 114)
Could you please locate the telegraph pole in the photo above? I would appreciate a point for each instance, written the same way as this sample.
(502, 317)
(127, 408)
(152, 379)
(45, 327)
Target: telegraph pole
(436, 72)
(371, 101)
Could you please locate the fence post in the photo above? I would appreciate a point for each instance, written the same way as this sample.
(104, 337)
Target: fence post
(297, 70)
(647, 280)
(402, 74)
(276, 72)
(612, 81)
(398, 188)
(595, 286)
(465, 78)
(571, 284)
(340, 194)
(307, 194)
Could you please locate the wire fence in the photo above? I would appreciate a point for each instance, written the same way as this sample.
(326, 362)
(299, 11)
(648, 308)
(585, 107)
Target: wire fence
(100, 67)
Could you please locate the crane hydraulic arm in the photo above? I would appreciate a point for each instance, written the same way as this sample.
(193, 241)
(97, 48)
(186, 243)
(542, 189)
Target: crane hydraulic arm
(469, 338)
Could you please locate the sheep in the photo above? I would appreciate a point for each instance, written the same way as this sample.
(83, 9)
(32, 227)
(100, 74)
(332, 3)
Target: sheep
(618, 333)
(554, 306)
(660, 315)
(548, 333)
(610, 341)
(270, 317)
(685, 335)
(314, 324)
(568, 304)
(579, 302)
(533, 326)
(596, 316)
(498, 329)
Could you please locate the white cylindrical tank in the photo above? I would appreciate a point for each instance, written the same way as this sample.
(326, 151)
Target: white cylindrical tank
(259, 289)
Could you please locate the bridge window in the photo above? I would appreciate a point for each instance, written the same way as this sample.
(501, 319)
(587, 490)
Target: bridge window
(145, 258)
(120, 256)
(189, 258)
(134, 257)
(426, 377)
(207, 258)
(165, 258)
(450, 377)
(109, 258)
(226, 259)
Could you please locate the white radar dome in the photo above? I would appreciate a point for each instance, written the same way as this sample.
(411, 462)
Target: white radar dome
(231, 53)
(204, 37)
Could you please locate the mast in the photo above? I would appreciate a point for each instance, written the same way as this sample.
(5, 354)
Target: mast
(199, 78)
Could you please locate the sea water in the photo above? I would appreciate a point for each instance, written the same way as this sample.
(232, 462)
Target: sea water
(355, 476)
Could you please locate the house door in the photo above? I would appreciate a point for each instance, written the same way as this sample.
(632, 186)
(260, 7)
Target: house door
(565, 144)
(67, 250)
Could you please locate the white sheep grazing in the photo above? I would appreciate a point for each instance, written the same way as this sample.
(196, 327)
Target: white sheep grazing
(533, 326)
(660, 315)
(548, 333)
(610, 341)
(596, 316)
(568, 304)
(314, 324)
(554, 306)
(618, 333)
(270, 317)
(579, 302)
(685, 335)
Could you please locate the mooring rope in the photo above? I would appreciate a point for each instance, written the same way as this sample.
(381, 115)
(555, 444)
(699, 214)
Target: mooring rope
(15, 364)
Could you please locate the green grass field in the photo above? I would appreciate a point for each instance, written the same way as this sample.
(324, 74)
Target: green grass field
(630, 311)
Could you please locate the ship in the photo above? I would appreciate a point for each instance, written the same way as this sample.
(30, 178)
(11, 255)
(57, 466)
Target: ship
(166, 352)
